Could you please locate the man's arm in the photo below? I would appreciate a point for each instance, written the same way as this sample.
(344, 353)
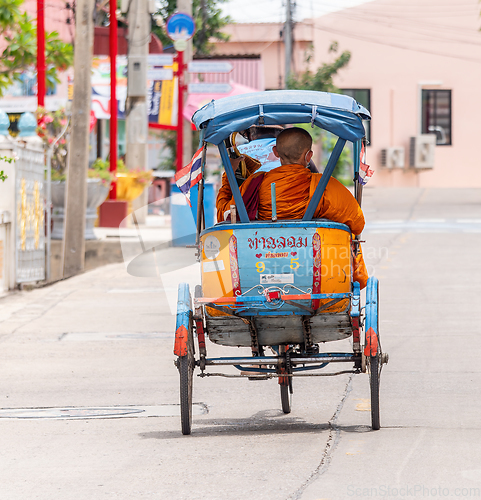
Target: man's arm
(224, 197)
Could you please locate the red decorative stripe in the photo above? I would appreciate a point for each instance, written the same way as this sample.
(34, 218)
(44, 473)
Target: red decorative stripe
(234, 266)
(316, 270)
(371, 343)
(283, 380)
(180, 345)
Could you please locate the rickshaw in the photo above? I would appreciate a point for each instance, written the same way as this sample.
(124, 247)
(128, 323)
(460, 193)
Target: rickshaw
(278, 286)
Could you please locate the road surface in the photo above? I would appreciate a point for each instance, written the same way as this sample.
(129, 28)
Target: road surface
(89, 392)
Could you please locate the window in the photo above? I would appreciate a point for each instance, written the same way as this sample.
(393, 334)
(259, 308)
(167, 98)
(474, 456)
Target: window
(363, 97)
(436, 115)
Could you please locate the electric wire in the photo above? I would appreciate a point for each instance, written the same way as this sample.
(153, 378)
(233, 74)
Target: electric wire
(373, 40)
(423, 27)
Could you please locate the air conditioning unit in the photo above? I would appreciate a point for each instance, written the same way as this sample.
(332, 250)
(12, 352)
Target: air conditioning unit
(421, 151)
(392, 157)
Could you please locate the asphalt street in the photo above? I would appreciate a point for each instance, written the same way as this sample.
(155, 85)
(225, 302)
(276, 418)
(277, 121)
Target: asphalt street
(89, 392)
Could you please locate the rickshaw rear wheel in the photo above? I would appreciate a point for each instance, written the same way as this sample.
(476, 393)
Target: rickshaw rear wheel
(186, 370)
(286, 398)
(285, 383)
(372, 321)
(374, 383)
(186, 365)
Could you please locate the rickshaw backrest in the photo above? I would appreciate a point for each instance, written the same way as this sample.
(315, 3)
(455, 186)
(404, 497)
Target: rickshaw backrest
(292, 256)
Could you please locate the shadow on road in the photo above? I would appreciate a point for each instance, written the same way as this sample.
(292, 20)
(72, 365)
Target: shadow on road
(262, 423)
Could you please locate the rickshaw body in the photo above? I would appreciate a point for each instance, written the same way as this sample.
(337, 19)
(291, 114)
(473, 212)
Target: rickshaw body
(280, 287)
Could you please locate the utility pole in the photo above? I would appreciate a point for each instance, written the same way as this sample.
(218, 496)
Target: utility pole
(113, 95)
(288, 41)
(136, 105)
(186, 7)
(76, 195)
(41, 67)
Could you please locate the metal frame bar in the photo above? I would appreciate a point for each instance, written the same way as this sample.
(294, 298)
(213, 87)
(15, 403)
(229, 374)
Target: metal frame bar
(261, 298)
(339, 357)
(265, 376)
(200, 201)
(321, 187)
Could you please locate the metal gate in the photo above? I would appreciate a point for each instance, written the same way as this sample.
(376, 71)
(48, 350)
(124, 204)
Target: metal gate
(30, 206)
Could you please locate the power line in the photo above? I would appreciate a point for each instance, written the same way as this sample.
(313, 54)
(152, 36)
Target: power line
(388, 18)
(432, 11)
(398, 46)
(401, 5)
(421, 29)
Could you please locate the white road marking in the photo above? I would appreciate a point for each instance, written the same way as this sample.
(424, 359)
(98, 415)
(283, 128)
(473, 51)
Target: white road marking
(429, 221)
(395, 221)
(383, 231)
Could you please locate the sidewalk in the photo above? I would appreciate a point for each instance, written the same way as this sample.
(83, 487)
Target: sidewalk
(114, 244)
(156, 228)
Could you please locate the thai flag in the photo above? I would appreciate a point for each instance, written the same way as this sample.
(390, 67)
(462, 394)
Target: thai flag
(190, 175)
(365, 173)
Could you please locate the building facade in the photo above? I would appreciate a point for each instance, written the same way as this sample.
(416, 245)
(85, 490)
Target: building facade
(416, 66)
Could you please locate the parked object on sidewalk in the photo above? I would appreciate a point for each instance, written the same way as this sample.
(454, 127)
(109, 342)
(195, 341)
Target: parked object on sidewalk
(130, 185)
(113, 213)
(97, 192)
(283, 285)
(184, 218)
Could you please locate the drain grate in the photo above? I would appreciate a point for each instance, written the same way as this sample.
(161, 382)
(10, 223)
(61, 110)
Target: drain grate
(81, 412)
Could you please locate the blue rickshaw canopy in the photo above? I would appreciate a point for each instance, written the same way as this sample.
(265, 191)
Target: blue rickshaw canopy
(336, 113)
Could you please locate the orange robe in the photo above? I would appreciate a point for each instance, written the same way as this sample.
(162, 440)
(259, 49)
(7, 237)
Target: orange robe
(295, 186)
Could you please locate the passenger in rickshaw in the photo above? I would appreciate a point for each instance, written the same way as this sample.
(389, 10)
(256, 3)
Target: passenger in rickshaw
(258, 152)
(262, 139)
(295, 185)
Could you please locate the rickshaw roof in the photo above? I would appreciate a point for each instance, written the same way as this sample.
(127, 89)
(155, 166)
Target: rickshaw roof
(337, 113)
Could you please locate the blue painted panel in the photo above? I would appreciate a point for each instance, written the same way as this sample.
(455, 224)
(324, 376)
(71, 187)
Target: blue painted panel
(274, 226)
(371, 303)
(356, 300)
(183, 306)
(184, 218)
(276, 257)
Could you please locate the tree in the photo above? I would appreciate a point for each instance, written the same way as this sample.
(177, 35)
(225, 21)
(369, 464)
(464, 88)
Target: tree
(209, 22)
(19, 31)
(322, 79)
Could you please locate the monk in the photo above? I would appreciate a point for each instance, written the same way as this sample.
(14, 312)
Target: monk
(295, 186)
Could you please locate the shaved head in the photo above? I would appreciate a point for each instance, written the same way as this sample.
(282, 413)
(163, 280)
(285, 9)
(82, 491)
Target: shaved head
(292, 145)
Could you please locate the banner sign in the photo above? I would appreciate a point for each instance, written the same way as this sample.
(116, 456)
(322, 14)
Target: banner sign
(101, 86)
(161, 94)
(162, 100)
